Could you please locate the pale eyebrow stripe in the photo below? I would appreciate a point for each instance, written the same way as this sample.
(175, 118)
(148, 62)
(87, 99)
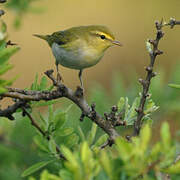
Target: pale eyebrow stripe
(105, 34)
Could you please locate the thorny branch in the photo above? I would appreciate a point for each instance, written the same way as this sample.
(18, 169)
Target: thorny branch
(153, 53)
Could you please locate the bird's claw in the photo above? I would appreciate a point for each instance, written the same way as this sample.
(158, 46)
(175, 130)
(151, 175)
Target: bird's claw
(59, 77)
(79, 91)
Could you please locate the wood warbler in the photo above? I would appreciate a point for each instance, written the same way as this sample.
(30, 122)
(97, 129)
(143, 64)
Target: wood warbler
(80, 47)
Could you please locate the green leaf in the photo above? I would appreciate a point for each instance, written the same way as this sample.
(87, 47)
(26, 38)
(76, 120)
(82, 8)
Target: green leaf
(131, 114)
(43, 83)
(174, 169)
(102, 139)
(2, 90)
(2, 44)
(35, 167)
(92, 134)
(47, 176)
(177, 86)
(165, 134)
(64, 132)
(106, 163)
(31, 178)
(81, 133)
(6, 53)
(145, 138)
(52, 146)
(65, 174)
(34, 85)
(51, 113)
(5, 68)
(150, 107)
(120, 104)
(69, 156)
(59, 120)
(72, 140)
(44, 121)
(86, 153)
(126, 107)
(45, 103)
(125, 148)
(42, 143)
(3, 27)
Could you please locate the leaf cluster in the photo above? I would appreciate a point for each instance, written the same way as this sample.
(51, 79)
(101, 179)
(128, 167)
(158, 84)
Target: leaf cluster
(136, 160)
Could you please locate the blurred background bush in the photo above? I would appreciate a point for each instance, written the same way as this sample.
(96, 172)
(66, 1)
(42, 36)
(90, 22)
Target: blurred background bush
(115, 76)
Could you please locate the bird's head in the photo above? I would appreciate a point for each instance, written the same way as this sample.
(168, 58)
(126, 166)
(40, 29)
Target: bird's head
(96, 36)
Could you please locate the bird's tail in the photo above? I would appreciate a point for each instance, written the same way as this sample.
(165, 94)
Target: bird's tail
(45, 37)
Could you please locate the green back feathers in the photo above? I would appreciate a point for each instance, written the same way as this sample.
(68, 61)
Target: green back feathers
(66, 36)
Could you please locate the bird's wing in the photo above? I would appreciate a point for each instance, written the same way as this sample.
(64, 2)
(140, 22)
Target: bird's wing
(61, 38)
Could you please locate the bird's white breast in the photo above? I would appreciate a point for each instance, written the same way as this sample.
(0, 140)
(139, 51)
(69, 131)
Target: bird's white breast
(79, 58)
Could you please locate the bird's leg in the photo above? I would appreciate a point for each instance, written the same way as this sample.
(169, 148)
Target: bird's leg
(80, 78)
(59, 77)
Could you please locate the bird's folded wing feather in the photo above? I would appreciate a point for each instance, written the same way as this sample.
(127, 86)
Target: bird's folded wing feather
(61, 37)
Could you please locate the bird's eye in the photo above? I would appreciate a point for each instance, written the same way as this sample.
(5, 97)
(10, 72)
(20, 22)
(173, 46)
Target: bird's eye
(103, 37)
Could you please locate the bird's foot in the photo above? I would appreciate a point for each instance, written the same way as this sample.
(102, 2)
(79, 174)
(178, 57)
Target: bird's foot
(59, 78)
(79, 91)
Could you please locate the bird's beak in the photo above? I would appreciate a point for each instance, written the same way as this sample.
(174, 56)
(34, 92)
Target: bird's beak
(117, 43)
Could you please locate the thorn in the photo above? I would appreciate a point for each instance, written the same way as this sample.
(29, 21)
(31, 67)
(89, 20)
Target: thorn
(106, 116)
(149, 69)
(128, 137)
(172, 22)
(93, 105)
(142, 81)
(147, 95)
(152, 41)
(138, 110)
(82, 117)
(154, 74)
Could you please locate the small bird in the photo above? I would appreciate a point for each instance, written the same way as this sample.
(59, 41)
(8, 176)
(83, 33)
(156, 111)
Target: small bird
(80, 47)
